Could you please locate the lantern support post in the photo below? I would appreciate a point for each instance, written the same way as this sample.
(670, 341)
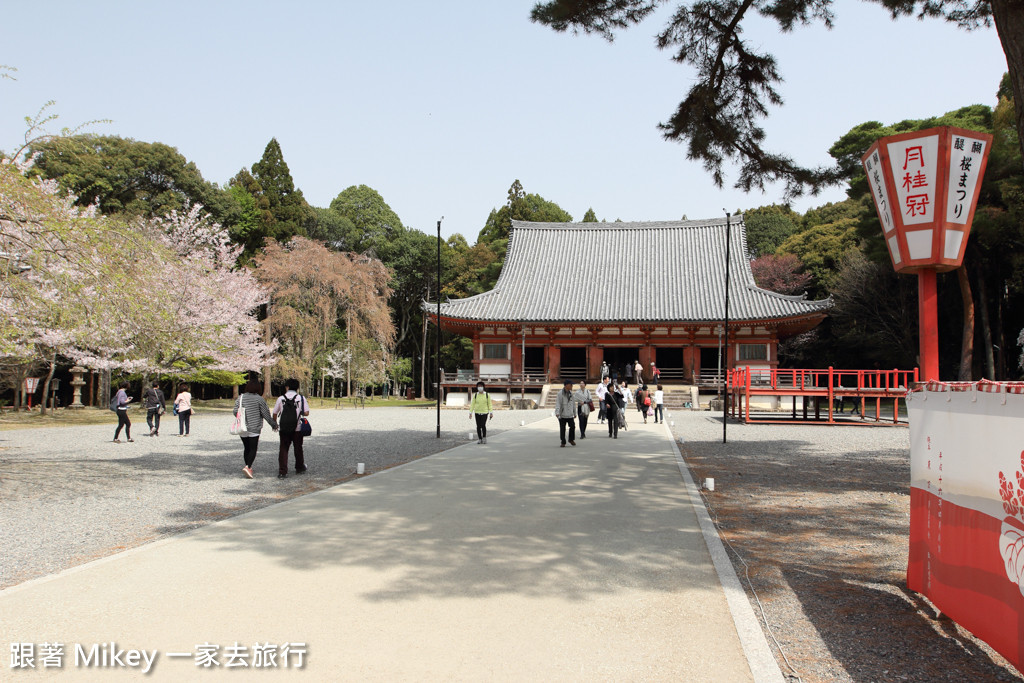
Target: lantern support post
(928, 323)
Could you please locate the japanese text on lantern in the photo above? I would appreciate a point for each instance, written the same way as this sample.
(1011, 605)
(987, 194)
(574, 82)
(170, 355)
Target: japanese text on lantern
(965, 160)
(914, 169)
(873, 169)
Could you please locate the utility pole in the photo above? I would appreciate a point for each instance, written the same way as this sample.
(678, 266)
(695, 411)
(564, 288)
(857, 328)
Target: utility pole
(439, 328)
(725, 378)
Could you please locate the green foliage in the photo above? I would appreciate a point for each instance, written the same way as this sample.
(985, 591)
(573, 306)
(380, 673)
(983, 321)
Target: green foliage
(495, 233)
(768, 227)
(286, 214)
(590, 216)
(123, 176)
(222, 378)
(821, 249)
(374, 224)
(330, 227)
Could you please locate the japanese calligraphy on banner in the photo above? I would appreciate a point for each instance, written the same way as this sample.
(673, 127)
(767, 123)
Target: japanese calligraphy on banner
(965, 162)
(925, 186)
(873, 167)
(967, 508)
(915, 164)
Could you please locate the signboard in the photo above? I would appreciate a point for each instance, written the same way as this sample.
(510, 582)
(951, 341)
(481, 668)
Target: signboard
(925, 186)
(967, 507)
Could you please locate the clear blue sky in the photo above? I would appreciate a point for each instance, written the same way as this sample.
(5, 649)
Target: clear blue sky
(439, 106)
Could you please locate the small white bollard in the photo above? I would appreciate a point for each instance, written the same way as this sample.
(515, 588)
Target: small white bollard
(709, 484)
(670, 414)
(471, 436)
(522, 423)
(672, 424)
(360, 467)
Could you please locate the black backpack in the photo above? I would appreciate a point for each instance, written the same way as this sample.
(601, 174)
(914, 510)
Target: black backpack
(289, 415)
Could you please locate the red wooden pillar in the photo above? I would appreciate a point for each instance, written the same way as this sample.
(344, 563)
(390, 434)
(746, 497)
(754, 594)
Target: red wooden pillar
(928, 324)
(554, 354)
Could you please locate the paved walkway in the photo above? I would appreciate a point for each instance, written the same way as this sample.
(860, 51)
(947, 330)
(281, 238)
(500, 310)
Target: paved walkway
(515, 560)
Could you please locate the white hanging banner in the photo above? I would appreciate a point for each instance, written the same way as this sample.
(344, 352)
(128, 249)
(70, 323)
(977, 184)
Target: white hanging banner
(967, 507)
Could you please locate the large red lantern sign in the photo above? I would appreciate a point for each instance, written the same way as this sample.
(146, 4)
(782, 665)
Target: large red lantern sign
(925, 186)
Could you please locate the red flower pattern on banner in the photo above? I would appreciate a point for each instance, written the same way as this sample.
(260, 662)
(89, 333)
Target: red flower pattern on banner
(1013, 500)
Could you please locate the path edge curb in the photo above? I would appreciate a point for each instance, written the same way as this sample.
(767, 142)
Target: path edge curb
(762, 663)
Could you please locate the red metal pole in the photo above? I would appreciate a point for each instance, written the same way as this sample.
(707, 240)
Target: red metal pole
(928, 324)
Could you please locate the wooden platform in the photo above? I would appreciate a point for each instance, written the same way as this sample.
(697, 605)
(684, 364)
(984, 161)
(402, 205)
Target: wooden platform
(827, 389)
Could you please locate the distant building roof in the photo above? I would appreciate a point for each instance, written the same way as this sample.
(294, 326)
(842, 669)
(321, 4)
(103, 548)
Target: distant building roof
(627, 272)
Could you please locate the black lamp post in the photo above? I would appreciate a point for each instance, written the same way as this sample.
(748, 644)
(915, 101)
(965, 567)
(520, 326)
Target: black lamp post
(725, 377)
(439, 328)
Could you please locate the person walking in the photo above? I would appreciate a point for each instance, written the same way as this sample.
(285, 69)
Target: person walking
(638, 372)
(627, 398)
(584, 403)
(183, 406)
(612, 410)
(655, 374)
(120, 404)
(659, 405)
(565, 411)
(290, 407)
(643, 401)
(620, 402)
(604, 369)
(155, 407)
(602, 391)
(256, 411)
(480, 408)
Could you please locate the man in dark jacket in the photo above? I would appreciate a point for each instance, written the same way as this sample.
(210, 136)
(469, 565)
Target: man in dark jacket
(154, 408)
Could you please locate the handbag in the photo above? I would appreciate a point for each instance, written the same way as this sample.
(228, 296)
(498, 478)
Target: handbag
(238, 426)
(305, 429)
(590, 404)
(650, 412)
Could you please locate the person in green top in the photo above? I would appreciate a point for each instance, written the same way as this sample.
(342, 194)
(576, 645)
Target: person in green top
(480, 408)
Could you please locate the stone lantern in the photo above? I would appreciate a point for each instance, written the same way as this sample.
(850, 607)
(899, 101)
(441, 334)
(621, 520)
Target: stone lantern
(77, 382)
(925, 187)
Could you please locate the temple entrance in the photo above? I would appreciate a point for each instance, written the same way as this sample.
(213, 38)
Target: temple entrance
(670, 362)
(620, 361)
(710, 368)
(573, 363)
(534, 361)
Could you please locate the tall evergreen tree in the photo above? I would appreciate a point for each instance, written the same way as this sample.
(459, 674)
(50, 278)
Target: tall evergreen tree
(289, 214)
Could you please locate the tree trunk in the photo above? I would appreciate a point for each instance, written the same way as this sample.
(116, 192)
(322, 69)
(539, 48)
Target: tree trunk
(986, 329)
(46, 385)
(967, 346)
(1009, 20)
(1000, 341)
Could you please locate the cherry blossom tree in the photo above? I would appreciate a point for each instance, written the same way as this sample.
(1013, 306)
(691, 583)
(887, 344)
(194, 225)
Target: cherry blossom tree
(312, 289)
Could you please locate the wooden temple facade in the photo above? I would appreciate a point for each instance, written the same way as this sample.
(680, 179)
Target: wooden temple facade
(573, 296)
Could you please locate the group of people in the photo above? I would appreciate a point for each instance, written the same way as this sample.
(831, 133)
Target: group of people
(613, 399)
(291, 408)
(155, 405)
(629, 373)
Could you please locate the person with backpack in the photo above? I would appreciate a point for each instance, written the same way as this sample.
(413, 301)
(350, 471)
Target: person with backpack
(643, 401)
(119, 404)
(155, 407)
(291, 407)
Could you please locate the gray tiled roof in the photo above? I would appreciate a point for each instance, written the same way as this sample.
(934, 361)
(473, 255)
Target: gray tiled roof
(636, 272)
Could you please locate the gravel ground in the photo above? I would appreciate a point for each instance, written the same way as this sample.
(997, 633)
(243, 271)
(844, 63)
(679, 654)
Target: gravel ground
(68, 495)
(821, 516)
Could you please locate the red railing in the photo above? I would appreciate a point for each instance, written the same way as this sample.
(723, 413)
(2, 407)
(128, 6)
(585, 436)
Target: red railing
(818, 383)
